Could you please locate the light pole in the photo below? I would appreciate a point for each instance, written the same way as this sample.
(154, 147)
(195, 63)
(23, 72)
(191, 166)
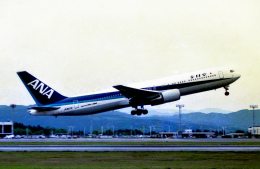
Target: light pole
(101, 130)
(153, 129)
(70, 130)
(84, 132)
(13, 106)
(113, 130)
(218, 127)
(91, 127)
(169, 128)
(253, 107)
(150, 131)
(27, 132)
(180, 106)
(131, 130)
(143, 130)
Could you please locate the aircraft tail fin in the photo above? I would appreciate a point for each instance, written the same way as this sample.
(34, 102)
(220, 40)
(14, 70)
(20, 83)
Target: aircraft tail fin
(41, 93)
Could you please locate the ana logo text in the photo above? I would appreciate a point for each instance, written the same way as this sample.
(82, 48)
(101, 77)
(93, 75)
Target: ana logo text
(43, 90)
(199, 75)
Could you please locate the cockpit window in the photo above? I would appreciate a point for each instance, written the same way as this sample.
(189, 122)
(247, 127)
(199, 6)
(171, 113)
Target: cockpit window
(231, 70)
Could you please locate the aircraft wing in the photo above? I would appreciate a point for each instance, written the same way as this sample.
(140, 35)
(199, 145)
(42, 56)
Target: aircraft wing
(44, 108)
(137, 96)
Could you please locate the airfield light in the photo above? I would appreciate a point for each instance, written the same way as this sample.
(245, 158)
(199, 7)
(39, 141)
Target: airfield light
(253, 107)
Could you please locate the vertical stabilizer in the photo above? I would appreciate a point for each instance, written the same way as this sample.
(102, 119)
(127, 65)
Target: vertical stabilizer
(41, 93)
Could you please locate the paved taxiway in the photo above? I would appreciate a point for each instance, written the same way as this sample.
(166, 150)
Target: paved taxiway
(131, 140)
(127, 148)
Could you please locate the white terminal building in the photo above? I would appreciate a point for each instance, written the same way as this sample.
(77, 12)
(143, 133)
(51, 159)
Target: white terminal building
(254, 130)
(6, 128)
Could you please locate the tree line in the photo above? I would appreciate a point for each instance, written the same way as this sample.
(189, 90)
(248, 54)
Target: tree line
(21, 129)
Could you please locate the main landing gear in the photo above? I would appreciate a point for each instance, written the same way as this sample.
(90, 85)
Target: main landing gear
(139, 112)
(226, 88)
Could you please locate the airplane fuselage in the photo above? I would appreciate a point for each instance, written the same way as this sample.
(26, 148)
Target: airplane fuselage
(185, 84)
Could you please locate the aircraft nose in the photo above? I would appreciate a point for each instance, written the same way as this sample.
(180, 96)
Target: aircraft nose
(236, 75)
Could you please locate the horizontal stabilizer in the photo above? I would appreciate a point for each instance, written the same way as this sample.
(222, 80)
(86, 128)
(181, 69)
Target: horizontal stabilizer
(44, 108)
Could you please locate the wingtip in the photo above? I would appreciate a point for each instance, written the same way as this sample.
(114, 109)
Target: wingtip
(20, 72)
(117, 86)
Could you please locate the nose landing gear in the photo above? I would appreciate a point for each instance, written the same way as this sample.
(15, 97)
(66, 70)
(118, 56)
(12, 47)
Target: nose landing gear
(226, 88)
(226, 93)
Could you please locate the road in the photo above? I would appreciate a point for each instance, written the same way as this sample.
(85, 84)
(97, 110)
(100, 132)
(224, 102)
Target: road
(127, 148)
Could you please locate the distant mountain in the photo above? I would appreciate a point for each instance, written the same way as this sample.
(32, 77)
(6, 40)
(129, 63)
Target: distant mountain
(170, 112)
(160, 119)
(214, 110)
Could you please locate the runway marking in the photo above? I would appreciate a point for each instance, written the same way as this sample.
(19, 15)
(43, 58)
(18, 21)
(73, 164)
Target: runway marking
(128, 148)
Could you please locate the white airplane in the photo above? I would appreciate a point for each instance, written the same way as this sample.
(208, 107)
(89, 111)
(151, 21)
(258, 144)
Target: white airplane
(153, 93)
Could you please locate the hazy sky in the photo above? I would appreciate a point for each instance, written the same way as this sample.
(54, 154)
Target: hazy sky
(78, 47)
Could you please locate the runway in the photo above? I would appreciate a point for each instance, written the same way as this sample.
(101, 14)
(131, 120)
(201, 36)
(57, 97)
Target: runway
(128, 148)
(120, 140)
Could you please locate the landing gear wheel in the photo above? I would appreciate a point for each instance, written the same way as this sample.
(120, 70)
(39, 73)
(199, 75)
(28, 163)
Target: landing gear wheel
(145, 112)
(133, 112)
(139, 112)
(226, 88)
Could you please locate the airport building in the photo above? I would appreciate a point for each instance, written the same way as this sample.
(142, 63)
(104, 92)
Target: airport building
(238, 135)
(255, 132)
(6, 128)
(167, 135)
(199, 135)
(186, 134)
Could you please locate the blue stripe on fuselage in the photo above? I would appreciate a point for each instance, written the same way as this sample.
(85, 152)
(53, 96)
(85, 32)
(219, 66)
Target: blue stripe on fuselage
(118, 95)
(89, 98)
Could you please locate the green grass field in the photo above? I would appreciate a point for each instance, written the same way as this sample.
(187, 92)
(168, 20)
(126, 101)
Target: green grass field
(129, 160)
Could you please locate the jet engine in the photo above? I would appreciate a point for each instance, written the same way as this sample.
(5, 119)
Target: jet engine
(166, 96)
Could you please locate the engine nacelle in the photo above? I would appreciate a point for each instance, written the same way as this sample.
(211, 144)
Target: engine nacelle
(167, 96)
